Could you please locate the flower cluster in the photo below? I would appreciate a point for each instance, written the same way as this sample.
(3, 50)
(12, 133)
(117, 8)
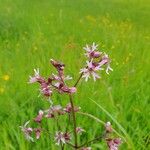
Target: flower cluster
(64, 136)
(28, 131)
(54, 82)
(113, 143)
(96, 61)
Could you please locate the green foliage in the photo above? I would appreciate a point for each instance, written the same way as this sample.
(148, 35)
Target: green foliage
(33, 31)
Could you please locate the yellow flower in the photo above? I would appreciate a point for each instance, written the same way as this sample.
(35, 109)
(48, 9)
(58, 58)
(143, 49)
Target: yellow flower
(1, 90)
(6, 77)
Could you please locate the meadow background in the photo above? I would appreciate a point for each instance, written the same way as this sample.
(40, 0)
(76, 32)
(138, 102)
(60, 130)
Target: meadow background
(33, 31)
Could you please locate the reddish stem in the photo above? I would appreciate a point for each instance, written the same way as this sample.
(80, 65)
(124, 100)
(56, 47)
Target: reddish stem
(74, 121)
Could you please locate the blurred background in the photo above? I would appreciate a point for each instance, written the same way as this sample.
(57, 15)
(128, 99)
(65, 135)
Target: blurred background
(33, 31)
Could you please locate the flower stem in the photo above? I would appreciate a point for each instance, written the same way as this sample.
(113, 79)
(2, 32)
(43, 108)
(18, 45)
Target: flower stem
(78, 80)
(91, 141)
(74, 121)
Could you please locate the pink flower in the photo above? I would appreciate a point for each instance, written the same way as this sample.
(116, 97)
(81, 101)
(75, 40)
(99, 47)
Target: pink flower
(59, 80)
(53, 111)
(106, 61)
(108, 127)
(45, 87)
(113, 144)
(91, 51)
(35, 77)
(62, 88)
(58, 65)
(67, 136)
(39, 117)
(91, 69)
(61, 137)
(68, 108)
(27, 131)
(79, 130)
(38, 132)
(86, 148)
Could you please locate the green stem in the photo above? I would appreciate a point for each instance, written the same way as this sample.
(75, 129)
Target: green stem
(74, 121)
(78, 80)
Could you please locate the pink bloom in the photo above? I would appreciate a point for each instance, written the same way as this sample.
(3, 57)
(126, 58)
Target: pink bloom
(38, 132)
(58, 78)
(67, 137)
(86, 148)
(108, 127)
(35, 77)
(46, 89)
(61, 137)
(79, 130)
(27, 131)
(68, 108)
(64, 89)
(106, 61)
(53, 111)
(113, 144)
(68, 89)
(91, 69)
(58, 65)
(39, 117)
(91, 51)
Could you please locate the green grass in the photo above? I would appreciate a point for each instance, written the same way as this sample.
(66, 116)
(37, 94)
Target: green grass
(33, 31)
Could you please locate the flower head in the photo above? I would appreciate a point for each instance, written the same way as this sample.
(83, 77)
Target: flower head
(108, 127)
(106, 61)
(37, 132)
(79, 130)
(54, 111)
(27, 131)
(62, 88)
(61, 137)
(91, 51)
(45, 87)
(39, 117)
(91, 70)
(36, 76)
(6, 77)
(68, 108)
(113, 144)
(58, 65)
(96, 61)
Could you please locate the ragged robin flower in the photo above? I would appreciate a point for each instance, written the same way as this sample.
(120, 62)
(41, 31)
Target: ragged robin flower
(62, 138)
(113, 144)
(91, 51)
(27, 131)
(96, 62)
